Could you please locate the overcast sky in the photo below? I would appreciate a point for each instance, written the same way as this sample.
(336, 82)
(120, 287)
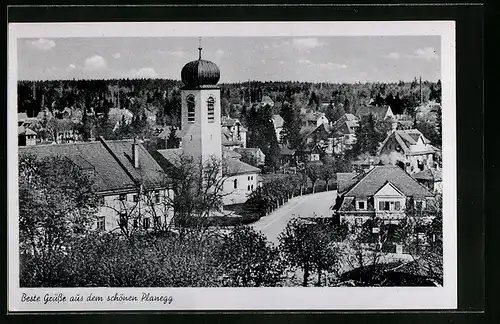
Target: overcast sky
(316, 59)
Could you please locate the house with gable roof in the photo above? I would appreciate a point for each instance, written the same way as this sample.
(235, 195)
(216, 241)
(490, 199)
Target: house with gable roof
(233, 133)
(409, 149)
(126, 178)
(344, 132)
(380, 112)
(266, 100)
(385, 192)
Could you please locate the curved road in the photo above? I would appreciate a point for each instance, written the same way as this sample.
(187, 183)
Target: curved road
(303, 206)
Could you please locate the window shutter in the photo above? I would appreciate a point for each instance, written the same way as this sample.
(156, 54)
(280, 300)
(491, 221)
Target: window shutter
(381, 205)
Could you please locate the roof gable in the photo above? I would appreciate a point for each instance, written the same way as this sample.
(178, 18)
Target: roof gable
(388, 190)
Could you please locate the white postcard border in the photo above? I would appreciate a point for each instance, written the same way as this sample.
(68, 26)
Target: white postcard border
(285, 298)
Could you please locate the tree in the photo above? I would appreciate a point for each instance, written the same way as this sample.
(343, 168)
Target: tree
(290, 133)
(249, 260)
(424, 237)
(430, 131)
(172, 140)
(307, 246)
(86, 126)
(367, 136)
(327, 173)
(197, 193)
(47, 226)
(314, 172)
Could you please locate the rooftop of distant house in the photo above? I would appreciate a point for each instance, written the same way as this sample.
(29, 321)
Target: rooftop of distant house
(377, 111)
(313, 116)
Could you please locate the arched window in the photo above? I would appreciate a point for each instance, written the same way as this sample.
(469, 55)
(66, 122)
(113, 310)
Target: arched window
(191, 109)
(211, 109)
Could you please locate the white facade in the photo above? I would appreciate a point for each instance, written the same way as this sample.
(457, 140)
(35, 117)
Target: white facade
(238, 187)
(140, 211)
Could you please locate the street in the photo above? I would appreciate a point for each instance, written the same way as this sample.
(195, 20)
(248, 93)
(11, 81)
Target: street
(273, 224)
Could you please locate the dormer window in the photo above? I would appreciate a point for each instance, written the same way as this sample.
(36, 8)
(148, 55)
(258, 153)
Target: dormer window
(191, 114)
(362, 205)
(211, 109)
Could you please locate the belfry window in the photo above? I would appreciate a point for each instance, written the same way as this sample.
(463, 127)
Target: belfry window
(211, 109)
(191, 109)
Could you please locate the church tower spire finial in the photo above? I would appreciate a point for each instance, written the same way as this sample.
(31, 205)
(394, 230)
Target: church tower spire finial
(199, 48)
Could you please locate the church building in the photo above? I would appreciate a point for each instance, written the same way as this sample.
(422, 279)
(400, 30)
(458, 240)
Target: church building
(201, 136)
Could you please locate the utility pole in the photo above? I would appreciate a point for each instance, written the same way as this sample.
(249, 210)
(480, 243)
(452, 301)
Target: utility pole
(421, 96)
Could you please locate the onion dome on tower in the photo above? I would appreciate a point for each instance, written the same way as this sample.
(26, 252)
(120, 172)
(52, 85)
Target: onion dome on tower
(200, 73)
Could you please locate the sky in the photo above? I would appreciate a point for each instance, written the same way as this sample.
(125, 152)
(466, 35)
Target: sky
(308, 59)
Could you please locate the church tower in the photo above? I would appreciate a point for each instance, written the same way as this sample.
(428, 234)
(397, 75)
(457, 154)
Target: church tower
(201, 121)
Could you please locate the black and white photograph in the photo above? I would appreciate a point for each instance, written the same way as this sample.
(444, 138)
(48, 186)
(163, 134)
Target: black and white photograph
(232, 165)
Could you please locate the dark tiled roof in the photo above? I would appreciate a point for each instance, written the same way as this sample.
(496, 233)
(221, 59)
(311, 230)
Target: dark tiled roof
(230, 153)
(235, 166)
(113, 171)
(429, 175)
(345, 180)
(149, 173)
(173, 156)
(374, 179)
(232, 166)
(285, 150)
(378, 111)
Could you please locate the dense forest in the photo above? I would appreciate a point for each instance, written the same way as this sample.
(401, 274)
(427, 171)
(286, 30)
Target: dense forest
(162, 97)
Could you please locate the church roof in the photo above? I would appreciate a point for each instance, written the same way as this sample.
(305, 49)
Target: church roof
(232, 166)
(235, 166)
(200, 73)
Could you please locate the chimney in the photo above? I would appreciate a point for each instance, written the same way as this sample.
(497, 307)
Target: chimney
(135, 153)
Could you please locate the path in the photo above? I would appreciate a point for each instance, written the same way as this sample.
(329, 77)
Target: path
(273, 224)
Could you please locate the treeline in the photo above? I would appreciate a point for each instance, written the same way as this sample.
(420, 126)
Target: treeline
(154, 94)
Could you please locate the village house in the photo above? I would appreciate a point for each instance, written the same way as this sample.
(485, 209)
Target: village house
(253, 155)
(288, 156)
(266, 100)
(314, 119)
(131, 186)
(431, 178)
(205, 135)
(384, 193)
(365, 163)
(320, 136)
(233, 133)
(117, 116)
(409, 149)
(344, 132)
(380, 112)
(26, 136)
